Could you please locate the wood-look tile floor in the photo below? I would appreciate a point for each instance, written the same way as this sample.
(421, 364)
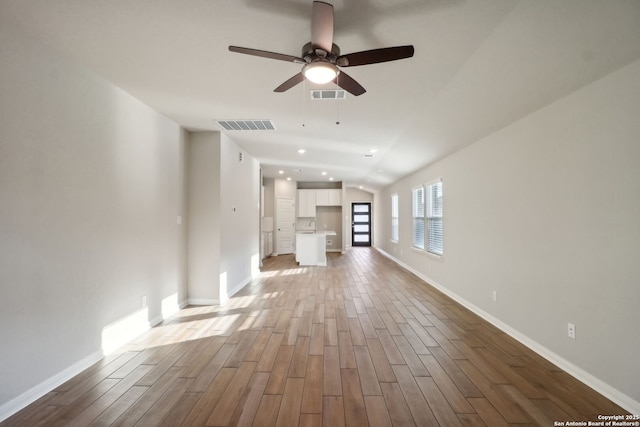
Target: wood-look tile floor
(359, 342)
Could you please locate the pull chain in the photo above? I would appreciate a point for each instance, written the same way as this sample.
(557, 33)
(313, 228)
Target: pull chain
(337, 101)
(304, 102)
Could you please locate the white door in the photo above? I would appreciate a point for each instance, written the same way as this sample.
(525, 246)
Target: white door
(286, 225)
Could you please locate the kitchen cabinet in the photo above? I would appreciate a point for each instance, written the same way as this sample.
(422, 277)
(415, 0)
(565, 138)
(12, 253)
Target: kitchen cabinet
(311, 248)
(329, 197)
(322, 197)
(335, 197)
(267, 244)
(306, 203)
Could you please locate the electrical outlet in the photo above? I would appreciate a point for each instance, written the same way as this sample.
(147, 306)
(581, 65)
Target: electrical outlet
(494, 296)
(571, 330)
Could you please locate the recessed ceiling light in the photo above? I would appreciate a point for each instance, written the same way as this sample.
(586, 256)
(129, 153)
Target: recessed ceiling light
(324, 173)
(288, 178)
(331, 179)
(302, 151)
(373, 150)
(360, 187)
(280, 172)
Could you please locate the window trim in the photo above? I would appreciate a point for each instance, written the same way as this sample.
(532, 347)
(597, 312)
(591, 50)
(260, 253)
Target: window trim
(425, 250)
(428, 208)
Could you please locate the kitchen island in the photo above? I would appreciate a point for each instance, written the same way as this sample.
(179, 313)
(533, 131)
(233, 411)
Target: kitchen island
(311, 247)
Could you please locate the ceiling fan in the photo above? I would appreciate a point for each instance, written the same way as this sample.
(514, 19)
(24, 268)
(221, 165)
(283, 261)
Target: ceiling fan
(321, 58)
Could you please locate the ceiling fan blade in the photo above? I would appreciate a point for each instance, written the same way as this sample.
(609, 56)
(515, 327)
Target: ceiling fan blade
(375, 56)
(265, 54)
(347, 83)
(298, 78)
(322, 26)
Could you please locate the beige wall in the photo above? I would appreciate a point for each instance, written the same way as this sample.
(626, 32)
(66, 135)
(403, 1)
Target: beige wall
(91, 187)
(204, 231)
(546, 212)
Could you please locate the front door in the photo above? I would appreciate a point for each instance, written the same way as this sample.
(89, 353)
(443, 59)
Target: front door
(361, 224)
(286, 225)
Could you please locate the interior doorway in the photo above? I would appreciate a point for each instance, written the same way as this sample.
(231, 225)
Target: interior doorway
(361, 224)
(285, 225)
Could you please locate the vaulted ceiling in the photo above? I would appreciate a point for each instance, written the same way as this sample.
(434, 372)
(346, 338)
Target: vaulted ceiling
(478, 67)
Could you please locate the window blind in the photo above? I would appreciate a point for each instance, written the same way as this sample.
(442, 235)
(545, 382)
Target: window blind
(418, 217)
(434, 218)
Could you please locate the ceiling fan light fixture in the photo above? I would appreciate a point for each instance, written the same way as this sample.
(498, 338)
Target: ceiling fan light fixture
(320, 72)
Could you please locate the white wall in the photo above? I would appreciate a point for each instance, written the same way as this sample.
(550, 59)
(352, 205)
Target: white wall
(269, 197)
(91, 184)
(203, 184)
(547, 213)
(224, 217)
(239, 217)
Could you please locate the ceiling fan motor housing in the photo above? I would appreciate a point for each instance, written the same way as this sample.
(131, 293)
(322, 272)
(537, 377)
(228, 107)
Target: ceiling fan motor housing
(309, 53)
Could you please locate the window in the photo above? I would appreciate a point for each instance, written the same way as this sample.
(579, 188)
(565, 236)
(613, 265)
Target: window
(394, 217)
(417, 197)
(434, 218)
(427, 217)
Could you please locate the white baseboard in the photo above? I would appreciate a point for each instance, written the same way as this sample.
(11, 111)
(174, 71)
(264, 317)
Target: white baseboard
(122, 331)
(203, 301)
(212, 301)
(580, 374)
(238, 287)
(35, 393)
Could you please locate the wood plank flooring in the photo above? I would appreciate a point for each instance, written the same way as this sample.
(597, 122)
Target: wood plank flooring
(359, 342)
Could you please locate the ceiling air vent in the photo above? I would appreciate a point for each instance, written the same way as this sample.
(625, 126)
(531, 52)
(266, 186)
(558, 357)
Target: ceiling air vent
(318, 94)
(233, 125)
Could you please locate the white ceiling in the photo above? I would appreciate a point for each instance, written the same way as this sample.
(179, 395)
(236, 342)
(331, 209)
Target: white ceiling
(478, 66)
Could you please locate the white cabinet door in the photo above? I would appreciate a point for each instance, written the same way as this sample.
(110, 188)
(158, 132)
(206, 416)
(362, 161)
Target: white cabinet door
(335, 197)
(322, 198)
(307, 203)
(329, 197)
(306, 249)
(321, 254)
(267, 244)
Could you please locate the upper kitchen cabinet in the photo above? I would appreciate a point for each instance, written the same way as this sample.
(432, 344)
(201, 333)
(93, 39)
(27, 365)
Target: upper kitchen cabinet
(329, 197)
(307, 203)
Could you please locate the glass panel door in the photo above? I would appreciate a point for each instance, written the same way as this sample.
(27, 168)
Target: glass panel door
(361, 224)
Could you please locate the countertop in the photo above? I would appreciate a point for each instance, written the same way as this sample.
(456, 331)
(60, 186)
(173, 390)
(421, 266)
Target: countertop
(317, 233)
